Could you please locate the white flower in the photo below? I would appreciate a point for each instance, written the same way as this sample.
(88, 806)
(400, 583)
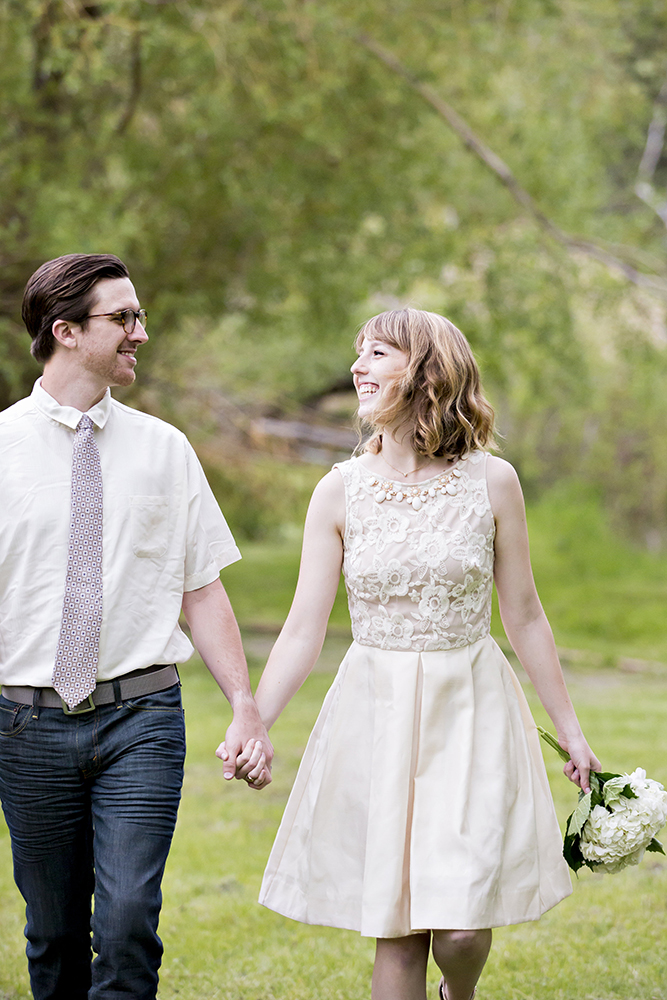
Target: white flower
(371, 530)
(392, 527)
(390, 579)
(469, 596)
(472, 550)
(612, 867)
(473, 498)
(432, 549)
(434, 604)
(395, 631)
(618, 834)
(361, 620)
(354, 530)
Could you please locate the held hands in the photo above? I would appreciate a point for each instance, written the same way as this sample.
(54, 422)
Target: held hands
(251, 764)
(582, 760)
(247, 751)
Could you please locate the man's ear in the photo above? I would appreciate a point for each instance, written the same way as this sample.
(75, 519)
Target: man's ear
(63, 333)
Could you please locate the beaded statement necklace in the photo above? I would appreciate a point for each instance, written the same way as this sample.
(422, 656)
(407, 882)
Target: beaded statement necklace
(447, 482)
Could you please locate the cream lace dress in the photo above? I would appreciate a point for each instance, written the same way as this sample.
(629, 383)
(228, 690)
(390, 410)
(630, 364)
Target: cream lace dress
(421, 800)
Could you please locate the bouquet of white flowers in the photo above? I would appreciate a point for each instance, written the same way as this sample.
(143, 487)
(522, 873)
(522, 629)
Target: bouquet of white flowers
(616, 821)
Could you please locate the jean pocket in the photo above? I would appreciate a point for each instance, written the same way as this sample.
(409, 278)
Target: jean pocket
(168, 700)
(14, 717)
(149, 525)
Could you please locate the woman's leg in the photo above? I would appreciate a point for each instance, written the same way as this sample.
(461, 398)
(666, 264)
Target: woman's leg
(460, 956)
(399, 972)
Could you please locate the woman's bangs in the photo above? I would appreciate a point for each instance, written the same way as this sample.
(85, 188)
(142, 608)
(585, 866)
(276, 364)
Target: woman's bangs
(385, 329)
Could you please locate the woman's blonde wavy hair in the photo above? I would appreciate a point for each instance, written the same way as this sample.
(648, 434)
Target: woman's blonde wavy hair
(439, 394)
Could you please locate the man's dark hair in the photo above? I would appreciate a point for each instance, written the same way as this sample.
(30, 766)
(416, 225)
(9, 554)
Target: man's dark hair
(63, 289)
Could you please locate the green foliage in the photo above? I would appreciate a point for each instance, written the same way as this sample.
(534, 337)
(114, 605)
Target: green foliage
(577, 819)
(262, 497)
(271, 182)
(573, 827)
(598, 590)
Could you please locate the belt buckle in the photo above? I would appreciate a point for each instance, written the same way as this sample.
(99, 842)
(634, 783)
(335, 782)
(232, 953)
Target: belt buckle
(90, 706)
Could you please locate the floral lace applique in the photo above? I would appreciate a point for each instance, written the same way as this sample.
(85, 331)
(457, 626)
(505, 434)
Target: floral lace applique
(419, 579)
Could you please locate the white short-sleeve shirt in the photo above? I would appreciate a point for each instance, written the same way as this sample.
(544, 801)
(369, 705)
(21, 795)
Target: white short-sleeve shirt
(163, 534)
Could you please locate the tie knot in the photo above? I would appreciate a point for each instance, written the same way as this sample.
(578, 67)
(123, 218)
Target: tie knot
(85, 424)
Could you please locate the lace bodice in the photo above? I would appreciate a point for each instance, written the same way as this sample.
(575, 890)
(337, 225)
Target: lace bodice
(422, 578)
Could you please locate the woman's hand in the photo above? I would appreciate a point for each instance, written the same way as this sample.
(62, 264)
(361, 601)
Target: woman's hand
(251, 764)
(582, 760)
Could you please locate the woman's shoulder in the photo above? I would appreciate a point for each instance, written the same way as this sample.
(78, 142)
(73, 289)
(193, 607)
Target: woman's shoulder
(500, 470)
(327, 504)
(481, 464)
(348, 471)
(502, 483)
(332, 483)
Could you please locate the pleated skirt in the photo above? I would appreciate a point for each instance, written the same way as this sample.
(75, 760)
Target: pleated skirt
(421, 801)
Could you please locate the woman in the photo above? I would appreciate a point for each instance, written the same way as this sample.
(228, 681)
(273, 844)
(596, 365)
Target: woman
(421, 814)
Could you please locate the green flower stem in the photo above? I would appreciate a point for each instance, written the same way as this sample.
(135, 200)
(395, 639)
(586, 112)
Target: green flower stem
(553, 743)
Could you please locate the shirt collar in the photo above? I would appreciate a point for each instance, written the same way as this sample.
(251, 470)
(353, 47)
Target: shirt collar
(69, 415)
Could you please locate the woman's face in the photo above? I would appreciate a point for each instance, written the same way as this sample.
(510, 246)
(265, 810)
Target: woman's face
(377, 367)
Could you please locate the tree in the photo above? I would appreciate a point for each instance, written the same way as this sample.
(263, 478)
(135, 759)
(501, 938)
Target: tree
(270, 180)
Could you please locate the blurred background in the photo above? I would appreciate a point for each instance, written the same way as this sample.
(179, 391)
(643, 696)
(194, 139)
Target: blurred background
(273, 172)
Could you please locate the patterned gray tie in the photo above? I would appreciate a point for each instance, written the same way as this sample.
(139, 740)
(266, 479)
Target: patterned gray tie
(75, 670)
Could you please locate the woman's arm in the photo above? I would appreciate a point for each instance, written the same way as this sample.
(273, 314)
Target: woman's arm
(524, 621)
(300, 641)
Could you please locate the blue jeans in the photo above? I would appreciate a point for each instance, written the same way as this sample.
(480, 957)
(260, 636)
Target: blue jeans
(91, 801)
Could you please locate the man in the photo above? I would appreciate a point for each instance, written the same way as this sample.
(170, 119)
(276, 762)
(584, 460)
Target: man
(107, 528)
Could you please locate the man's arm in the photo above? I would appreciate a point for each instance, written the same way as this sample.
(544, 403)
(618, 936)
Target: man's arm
(216, 636)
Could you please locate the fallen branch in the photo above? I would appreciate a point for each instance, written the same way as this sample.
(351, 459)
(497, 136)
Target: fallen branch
(655, 141)
(135, 85)
(498, 166)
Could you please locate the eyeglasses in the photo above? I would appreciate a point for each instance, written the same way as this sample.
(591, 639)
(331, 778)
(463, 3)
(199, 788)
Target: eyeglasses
(127, 317)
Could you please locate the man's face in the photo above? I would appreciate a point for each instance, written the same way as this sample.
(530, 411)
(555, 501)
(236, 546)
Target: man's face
(104, 349)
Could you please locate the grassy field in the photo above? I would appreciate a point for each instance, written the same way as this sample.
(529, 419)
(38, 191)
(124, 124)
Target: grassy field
(605, 942)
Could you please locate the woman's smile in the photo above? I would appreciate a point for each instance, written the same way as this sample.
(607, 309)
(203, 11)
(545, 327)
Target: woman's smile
(377, 366)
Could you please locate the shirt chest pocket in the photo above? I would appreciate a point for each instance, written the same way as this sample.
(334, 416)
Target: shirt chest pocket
(149, 525)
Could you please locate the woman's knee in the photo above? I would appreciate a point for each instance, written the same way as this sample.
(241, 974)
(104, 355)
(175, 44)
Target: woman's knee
(461, 942)
(404, 951)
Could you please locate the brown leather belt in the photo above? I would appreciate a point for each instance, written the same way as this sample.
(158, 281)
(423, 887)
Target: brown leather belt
(148, 681)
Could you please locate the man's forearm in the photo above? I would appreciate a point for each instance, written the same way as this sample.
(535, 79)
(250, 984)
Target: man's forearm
(216, 636)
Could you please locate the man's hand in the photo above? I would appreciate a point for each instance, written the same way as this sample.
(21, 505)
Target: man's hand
(250, 764)
(247, 751)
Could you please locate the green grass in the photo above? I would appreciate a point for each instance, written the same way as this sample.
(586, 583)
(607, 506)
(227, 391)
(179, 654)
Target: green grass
(261, 586)
(606, 942)
(600, 592)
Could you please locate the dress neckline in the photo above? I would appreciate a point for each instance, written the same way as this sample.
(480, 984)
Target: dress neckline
(398, 482)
